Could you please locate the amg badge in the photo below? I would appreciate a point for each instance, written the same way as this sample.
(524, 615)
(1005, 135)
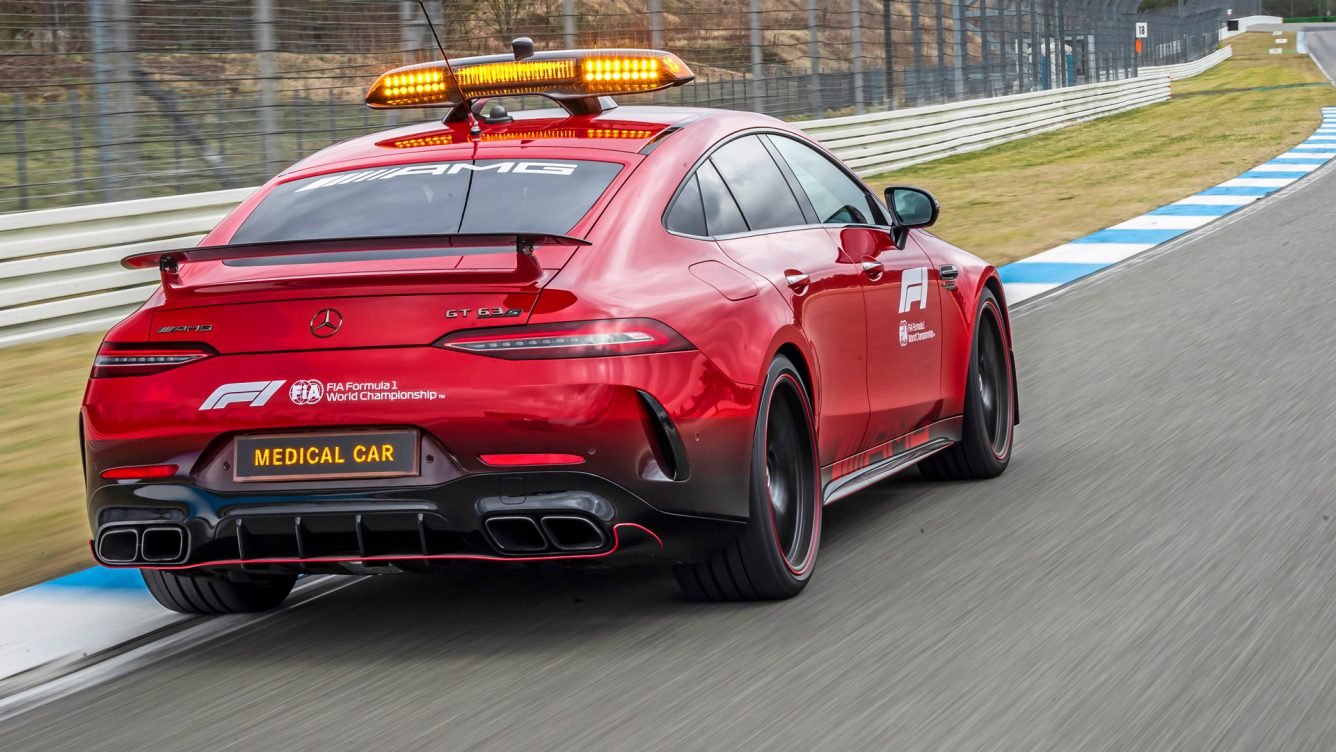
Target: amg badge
(188, 328)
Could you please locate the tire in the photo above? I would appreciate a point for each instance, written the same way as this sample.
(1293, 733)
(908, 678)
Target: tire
(984, 448)
(774, 556)
(212, 595)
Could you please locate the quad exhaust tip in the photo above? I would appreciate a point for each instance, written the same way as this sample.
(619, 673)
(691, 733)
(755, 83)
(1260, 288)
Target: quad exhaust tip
(120, 545)
(160, 544)
(570, 532)
(152, 544)
(518, 534)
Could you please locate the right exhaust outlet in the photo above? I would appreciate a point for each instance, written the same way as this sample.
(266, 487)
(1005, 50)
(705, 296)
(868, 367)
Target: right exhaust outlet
(570, 532)
(163, 544)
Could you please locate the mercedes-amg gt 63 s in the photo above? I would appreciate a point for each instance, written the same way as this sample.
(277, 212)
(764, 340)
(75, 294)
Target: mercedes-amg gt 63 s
(575, 334)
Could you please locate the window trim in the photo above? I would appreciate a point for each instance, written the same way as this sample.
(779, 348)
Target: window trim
(804, 203)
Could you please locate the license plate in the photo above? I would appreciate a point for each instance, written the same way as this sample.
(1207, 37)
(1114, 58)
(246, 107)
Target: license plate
(326, 456)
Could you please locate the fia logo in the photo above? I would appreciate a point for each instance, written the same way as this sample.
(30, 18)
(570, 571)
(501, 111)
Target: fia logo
(306, 392)
(904, 333)
(913, 289)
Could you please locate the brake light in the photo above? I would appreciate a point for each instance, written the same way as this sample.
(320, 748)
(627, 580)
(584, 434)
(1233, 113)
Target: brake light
(139, 472)
(133, 359)
(574, 339)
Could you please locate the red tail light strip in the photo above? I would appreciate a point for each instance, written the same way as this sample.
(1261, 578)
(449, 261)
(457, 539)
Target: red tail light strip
(139, 472)
(515, 460)
(616, 544)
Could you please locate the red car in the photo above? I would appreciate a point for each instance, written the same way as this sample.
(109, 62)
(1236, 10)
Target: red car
(562, 335)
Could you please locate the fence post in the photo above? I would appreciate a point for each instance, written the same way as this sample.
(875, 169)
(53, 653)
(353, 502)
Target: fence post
(21, 149)
(916, 31)
(941, 51)
(1036, 78)
(958, 47)
(888, 56)
(263, 11)
(106, 146)
(656, 24)
(757, 66)
(125, 126)
(568, 22)
(984, 49)
(856, 18)
(76, 141)
(1063, 80)
(814, 56)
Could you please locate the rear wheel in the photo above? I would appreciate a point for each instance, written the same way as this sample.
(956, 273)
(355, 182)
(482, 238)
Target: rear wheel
(211, 594)
(774, 556)
(985, 445)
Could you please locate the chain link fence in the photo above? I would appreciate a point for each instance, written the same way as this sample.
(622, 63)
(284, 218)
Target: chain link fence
(112, 99)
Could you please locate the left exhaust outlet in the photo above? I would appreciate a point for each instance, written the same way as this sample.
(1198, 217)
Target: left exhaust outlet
(142, 544)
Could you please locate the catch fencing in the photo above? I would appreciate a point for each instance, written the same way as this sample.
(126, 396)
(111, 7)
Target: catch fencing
(60, 271)
(109, 100)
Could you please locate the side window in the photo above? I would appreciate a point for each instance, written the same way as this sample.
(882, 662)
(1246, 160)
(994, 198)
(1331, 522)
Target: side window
(721, 211)
(837, 198)
(687, 215)
(757, 183)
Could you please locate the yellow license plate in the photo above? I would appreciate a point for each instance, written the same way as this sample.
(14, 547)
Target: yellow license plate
(326, 456)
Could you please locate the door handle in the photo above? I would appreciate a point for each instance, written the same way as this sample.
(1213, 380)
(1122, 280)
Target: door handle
(797, 280)
(949, 272)
(873, 269)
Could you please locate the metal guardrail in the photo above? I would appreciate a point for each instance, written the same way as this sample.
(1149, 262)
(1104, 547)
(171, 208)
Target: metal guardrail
(884, 141)
(60, 272)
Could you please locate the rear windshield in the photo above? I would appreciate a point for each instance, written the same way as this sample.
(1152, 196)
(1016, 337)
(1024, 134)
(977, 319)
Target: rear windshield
(487, 195)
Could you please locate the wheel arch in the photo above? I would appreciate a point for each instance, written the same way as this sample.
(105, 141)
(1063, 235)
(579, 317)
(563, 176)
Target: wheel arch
(994, 284)
(795, 355)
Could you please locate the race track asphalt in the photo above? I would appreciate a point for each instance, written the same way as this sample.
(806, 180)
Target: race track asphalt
(1156, 571)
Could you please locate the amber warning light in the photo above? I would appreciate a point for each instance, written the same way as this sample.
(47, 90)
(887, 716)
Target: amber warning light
(558, 74)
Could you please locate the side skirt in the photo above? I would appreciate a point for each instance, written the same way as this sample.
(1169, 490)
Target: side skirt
(874, 465)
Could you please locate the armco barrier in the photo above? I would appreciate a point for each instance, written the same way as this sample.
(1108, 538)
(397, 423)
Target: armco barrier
(59, 270)
(883, 141)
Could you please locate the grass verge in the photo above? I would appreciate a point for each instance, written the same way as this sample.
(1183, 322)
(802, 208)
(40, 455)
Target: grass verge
(43, 528)
(1003, 203)
(1017, 199)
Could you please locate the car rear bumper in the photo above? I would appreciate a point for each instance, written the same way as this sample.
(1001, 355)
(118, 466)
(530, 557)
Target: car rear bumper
(538, 516)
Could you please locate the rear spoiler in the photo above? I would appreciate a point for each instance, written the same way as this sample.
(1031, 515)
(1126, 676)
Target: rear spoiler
(168, 262)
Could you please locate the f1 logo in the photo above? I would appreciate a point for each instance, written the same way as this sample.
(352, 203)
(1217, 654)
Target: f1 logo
(253, 393)
(914, 289)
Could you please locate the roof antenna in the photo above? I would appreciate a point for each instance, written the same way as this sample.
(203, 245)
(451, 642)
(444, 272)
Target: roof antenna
(474, 128)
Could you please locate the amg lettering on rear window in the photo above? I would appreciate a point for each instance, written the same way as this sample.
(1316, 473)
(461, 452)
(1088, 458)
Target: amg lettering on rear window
(431, 198)
(444, 168)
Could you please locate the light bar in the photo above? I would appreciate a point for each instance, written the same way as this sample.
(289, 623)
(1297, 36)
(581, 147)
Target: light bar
(557, 74)
(445, 138)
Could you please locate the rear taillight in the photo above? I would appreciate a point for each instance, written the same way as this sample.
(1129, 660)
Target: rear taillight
(574, 339)
(134, 359)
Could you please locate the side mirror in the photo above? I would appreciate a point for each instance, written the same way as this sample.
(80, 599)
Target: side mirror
(911, 207)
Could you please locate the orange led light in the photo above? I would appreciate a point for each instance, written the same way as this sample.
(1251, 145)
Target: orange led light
(564, 74)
